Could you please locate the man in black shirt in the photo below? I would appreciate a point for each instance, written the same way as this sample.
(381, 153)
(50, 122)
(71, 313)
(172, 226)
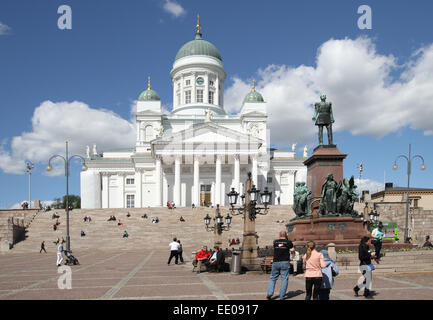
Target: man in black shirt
(280, 265)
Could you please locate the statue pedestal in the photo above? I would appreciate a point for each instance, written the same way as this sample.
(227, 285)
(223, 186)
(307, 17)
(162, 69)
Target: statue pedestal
(324, 160)
(344, 232)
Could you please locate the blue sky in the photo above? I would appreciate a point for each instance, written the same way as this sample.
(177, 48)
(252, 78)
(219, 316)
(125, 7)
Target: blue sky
(104, 61)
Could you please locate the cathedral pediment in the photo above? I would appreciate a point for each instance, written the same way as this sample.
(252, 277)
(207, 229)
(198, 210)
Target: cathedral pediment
(204, 133)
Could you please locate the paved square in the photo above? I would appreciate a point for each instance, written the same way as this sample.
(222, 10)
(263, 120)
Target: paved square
(146, 275)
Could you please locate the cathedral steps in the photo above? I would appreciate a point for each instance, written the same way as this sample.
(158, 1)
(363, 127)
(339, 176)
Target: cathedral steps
(107, 235)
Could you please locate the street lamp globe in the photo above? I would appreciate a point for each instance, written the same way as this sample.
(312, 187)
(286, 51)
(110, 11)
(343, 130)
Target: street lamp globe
(253, 193)
(84, 168)
(228, 219)
(49, 168)
(207, 220)
(266, 197)
(219, 218)
(395, 166)
(233, 197)
(423, 167)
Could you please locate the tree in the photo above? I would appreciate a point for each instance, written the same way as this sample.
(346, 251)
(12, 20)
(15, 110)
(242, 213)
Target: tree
(74, 202)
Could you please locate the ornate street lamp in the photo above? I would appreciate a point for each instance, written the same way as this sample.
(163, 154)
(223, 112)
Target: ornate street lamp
(67, 161)
(218, 226)
(409, 159)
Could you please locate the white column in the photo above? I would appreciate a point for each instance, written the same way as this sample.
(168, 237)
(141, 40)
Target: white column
(105, 191)
(194, 89)
(138, 188)
(176, 189)
(158, 181)
(121, 178)
(218, 180)
(217, 91)
(196, 197)
(254, 170)
(206, 88)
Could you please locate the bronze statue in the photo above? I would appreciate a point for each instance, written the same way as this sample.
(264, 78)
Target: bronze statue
(300, 199)
(328, 201)
(323, 116)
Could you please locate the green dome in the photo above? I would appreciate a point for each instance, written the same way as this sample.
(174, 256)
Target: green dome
(254, 96)
(199, 47)
(149, 95)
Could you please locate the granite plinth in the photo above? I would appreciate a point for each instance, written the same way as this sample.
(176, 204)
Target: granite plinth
(343, 231)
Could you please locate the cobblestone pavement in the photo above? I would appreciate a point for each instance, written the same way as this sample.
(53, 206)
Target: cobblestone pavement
(146, 275)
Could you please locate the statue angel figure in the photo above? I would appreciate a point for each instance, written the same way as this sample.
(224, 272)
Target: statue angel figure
(88, 151)
(208, 115)
(305, 152)
(95, 152)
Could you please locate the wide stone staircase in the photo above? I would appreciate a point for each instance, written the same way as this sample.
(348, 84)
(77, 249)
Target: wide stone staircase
(143, 234)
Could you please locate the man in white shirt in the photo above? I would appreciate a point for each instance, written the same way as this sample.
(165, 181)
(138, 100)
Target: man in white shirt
(294, 258)
(174, 248)
(59, 254)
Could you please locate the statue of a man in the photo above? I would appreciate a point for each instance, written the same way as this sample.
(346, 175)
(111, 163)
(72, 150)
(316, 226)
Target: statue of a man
(95, 152)
(305, 152)
(328, 202)
(323, 116)
(88, 152)
(293, 146)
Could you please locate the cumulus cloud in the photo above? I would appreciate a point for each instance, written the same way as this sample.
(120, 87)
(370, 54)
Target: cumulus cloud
(173, 8)
(358, 80)
(4, 29)
(75, 122)
(370, 185)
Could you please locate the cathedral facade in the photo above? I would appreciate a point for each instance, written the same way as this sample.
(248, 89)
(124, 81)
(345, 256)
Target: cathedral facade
(196, 153)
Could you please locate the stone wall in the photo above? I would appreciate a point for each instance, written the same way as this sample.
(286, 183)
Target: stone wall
(13, 224)
(420, 221)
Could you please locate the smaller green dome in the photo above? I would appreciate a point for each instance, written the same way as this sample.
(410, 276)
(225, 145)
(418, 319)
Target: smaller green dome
(149, 94)
(253, 96)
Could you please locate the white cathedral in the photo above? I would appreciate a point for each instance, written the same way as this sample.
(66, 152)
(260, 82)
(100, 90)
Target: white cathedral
(197, 152)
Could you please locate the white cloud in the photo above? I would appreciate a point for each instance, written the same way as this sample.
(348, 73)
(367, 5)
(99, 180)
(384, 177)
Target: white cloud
(358, 80)
(370, 185)
(55, 123)
(173, 8)
(4, 29)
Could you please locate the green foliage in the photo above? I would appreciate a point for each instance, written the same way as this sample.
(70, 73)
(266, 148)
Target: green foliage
(74, 202)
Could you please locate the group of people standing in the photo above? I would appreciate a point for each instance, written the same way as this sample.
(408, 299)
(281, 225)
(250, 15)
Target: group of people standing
(318, 266)
(320, 269)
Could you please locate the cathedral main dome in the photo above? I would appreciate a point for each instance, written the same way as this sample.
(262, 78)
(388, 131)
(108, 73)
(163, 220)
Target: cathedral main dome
(198, 47)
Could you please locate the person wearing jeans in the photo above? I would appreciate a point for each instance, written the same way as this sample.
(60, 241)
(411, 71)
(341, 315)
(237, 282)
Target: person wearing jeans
(280, 265)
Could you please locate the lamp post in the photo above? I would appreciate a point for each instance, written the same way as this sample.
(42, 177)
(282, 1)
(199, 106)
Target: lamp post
(218, 226)
(409, 159)
(67, 161)
(360, 168)
(29, 167)
(250, 210)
